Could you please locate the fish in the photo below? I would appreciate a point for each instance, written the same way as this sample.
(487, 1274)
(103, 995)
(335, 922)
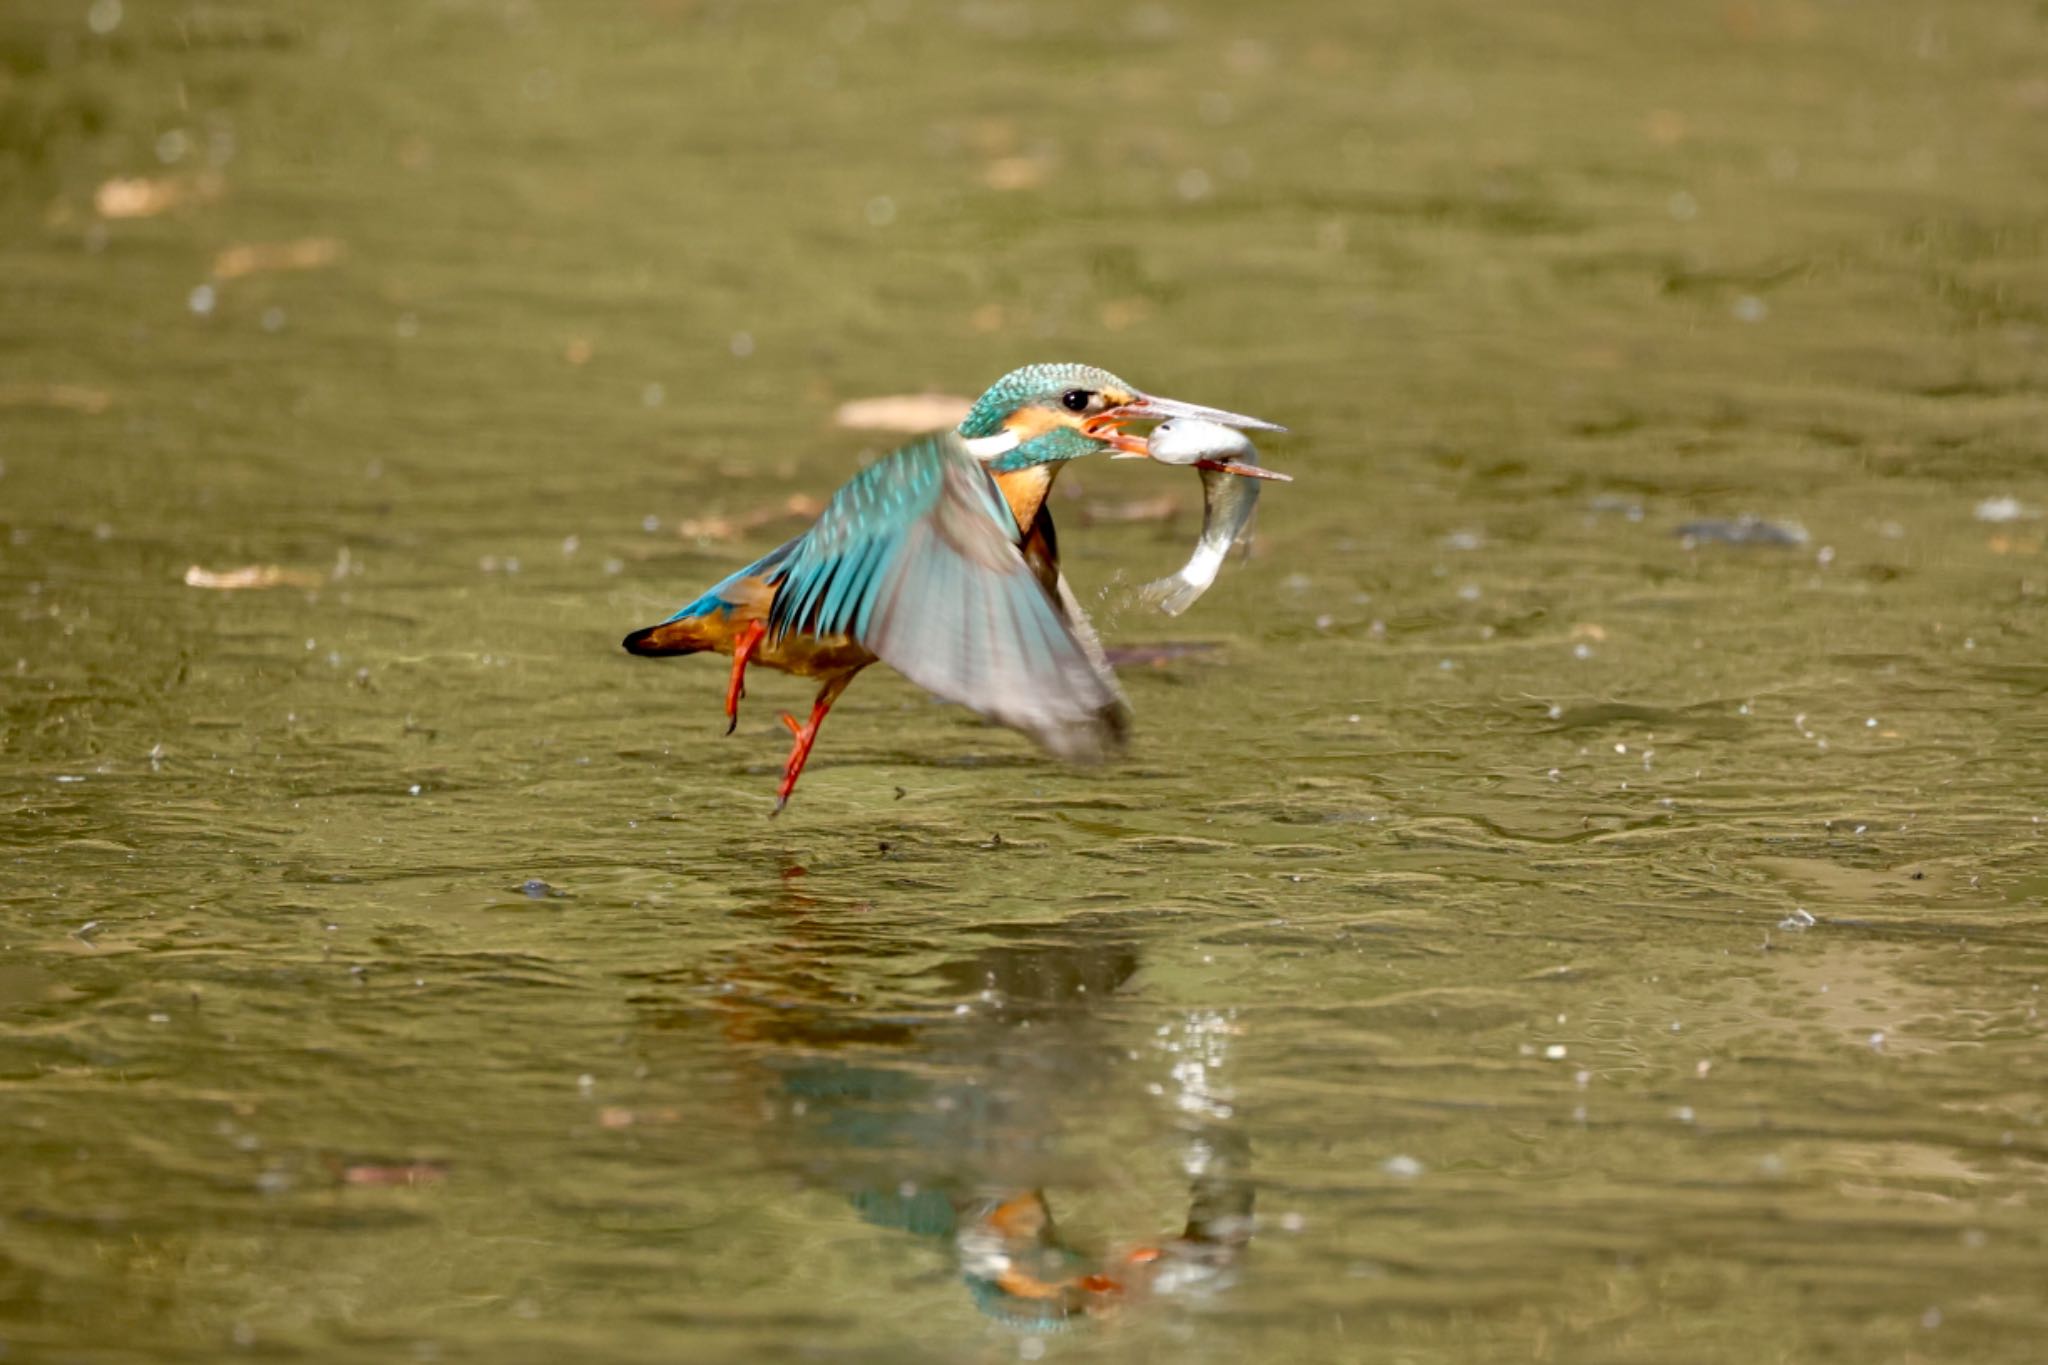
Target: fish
(1230, 471)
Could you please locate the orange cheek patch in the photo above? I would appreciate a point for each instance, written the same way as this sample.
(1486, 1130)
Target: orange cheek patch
(1032, 423)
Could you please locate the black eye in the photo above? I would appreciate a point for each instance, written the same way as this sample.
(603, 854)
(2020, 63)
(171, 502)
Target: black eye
(1076, 400)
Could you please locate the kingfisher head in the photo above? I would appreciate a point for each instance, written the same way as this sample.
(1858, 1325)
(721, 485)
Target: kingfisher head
(1044, 413)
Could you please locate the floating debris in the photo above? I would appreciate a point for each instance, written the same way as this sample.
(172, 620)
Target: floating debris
(69, 397)
(796, 507)
(618, 1116)
(1017, 172)
(256, 258)
(1745, 530)
(252, 576)
(407, 1173)
(903, 412)
(2005, 509)
(146, 197)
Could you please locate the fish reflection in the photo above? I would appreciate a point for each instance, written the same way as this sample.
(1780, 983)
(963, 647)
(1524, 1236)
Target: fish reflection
(947, 1121)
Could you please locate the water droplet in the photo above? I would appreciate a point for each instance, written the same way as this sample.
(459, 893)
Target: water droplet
(104, 16)
(881, 211)
(201, 299)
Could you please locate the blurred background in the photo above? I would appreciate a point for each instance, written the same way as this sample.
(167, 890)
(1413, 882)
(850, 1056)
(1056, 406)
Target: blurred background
(1578, 889)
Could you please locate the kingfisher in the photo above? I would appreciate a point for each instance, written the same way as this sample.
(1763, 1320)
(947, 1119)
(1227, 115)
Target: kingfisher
(940, 559)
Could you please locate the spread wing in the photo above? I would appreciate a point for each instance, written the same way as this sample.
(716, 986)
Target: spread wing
(917, 559)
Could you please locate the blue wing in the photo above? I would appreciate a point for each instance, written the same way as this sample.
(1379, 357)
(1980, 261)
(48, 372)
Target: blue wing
(917, 559)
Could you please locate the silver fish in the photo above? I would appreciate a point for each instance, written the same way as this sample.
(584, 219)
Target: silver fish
(1230, 472)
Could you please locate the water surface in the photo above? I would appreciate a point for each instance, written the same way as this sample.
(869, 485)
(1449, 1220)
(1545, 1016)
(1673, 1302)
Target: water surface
(1548, 918)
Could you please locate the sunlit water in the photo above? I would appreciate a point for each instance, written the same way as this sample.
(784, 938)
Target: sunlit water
(1550, 919)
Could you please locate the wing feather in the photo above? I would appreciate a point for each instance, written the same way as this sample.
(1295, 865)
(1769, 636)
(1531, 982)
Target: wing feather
(917, 559)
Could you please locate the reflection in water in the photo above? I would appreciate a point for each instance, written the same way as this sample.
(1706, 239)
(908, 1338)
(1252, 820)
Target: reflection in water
(945, 1120)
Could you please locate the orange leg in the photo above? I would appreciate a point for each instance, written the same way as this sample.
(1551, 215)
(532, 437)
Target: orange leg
(806, 735)
(742, 649)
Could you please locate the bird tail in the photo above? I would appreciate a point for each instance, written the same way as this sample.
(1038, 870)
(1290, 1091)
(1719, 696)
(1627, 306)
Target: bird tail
(684, 635)
(712, 620)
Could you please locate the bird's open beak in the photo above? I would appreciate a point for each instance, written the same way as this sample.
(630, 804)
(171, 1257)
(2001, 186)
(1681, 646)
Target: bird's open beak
(1108, 427)
(1110, 431)
(1145, 408)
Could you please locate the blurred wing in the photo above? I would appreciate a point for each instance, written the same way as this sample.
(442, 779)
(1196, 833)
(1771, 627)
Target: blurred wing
(1042, 552)
(917, 559)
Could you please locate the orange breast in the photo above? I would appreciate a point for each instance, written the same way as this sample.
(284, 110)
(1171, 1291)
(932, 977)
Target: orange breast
(1025, 490)
(813, 656)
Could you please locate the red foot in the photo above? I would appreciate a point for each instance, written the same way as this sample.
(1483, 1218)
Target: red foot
(799, 753)
(806, 735)
(742, 650)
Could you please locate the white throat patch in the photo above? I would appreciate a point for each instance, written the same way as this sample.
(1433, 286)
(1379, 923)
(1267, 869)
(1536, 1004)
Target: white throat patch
(988, 447)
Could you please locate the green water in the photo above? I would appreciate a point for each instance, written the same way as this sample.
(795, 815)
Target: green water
(1528, 933)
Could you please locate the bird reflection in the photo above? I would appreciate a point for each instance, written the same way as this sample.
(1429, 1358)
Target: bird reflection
(942, 1115)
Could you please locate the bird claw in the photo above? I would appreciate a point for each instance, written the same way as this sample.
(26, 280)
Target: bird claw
(742, 651)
